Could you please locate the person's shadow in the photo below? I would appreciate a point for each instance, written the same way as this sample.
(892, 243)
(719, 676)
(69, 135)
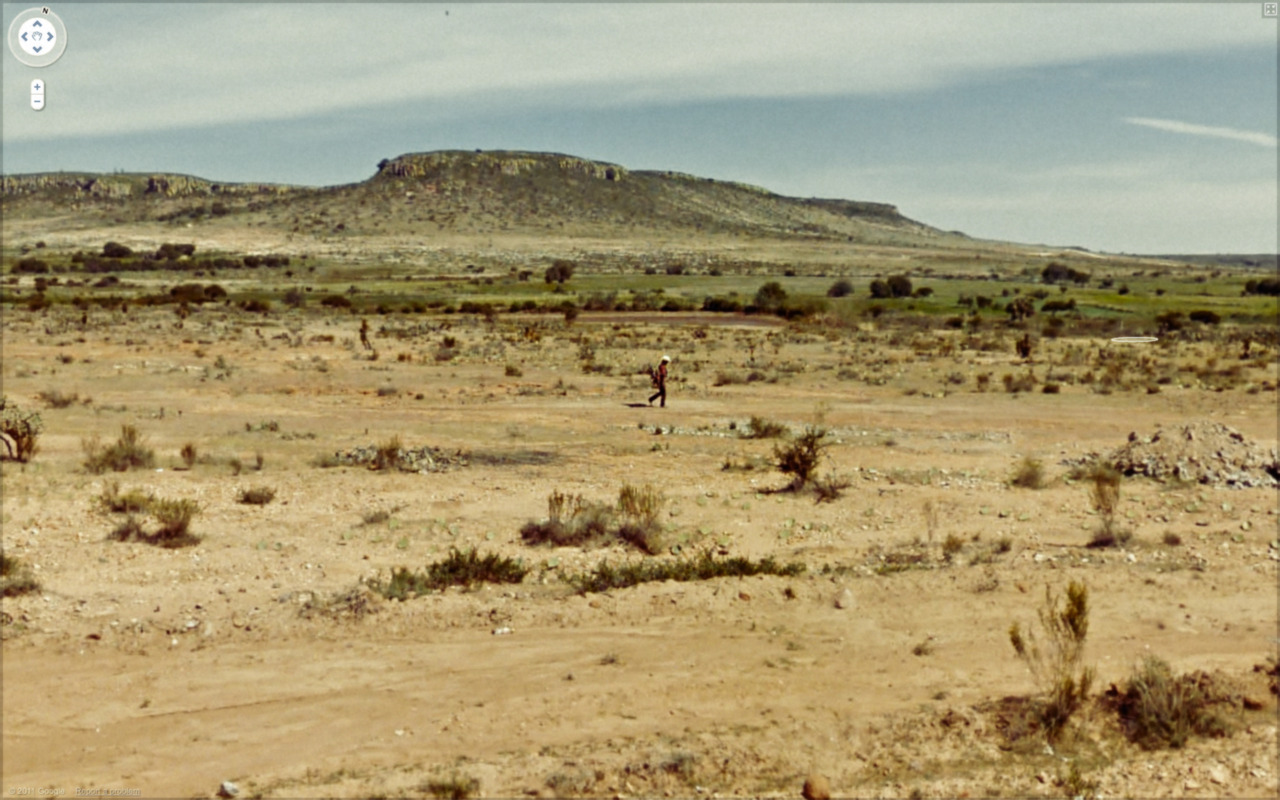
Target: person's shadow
(636, 405)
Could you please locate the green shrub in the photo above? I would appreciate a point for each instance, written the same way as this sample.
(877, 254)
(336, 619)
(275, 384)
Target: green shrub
(702, 567)
(841, 288)
(128, 452)
(1159, 709)
(458, 569)
(1056, 667)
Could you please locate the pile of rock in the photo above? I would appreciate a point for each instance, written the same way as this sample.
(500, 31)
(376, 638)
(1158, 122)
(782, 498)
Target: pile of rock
(1201, 452)
(420, 460)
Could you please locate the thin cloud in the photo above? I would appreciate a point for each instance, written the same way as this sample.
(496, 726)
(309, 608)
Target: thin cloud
(243, 64)
(1174, 126)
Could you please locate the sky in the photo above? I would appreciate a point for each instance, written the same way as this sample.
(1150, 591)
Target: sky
(1119, 127)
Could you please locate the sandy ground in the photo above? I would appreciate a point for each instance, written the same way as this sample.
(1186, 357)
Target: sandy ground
(169, 671)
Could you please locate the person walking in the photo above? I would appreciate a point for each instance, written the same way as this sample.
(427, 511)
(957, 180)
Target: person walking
(364, 334)
(659, 376)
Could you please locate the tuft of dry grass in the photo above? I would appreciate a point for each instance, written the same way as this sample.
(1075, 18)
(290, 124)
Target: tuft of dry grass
(1057, 666)
(256, 496)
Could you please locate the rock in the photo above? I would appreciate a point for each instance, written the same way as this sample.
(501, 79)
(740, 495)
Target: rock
(743, 596)
(1191, 784)
(816, 787)
(844, 598)
(1218, 774)
(228, 789)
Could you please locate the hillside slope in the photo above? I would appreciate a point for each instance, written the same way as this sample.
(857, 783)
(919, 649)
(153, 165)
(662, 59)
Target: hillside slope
(466, 192)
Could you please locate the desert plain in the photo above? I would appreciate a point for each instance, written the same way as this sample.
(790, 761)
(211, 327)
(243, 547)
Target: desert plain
(876, 662)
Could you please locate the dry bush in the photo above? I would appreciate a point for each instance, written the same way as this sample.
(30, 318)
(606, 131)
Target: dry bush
(130, 530)
(174, 522)
(389, 455)
(131, 502)
(639, 507)
(1056, 667)
(800, 458)
(571, 520)
(951, 546)
(830, 488)
(1159, 709)
(761, 428)
(1018, 383)
(16, 578)
(19, 430)
(256, 496)
(1029, 474)
(175, 518)
(456, 787)
(128, 452)
(54, 398)
(189, 454)
(1104, 495)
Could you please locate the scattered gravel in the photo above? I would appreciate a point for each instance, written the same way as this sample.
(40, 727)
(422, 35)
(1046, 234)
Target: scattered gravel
(1201, 452)
(420, 460)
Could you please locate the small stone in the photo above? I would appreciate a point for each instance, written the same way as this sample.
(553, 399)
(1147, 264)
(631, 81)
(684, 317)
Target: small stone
(1218, 774)
(844, 598)
(816, 787)
(743, 596)
(503, 631)
(1191, 784)
(228, 789)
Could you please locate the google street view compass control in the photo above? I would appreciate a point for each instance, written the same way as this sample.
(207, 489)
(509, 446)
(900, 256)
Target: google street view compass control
(37, 37)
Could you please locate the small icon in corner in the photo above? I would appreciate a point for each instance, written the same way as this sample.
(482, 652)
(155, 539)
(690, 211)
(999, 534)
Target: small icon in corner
(1271, 10)
(37, 94)
(37, 37)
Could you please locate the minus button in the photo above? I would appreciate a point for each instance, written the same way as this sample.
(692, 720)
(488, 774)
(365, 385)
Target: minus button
(37, 94)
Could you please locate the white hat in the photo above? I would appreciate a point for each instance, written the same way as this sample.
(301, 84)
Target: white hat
(666, 358)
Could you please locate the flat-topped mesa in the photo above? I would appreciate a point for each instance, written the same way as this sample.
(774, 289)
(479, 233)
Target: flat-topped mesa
(460, 163)
(119, 185)
(860, 208)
